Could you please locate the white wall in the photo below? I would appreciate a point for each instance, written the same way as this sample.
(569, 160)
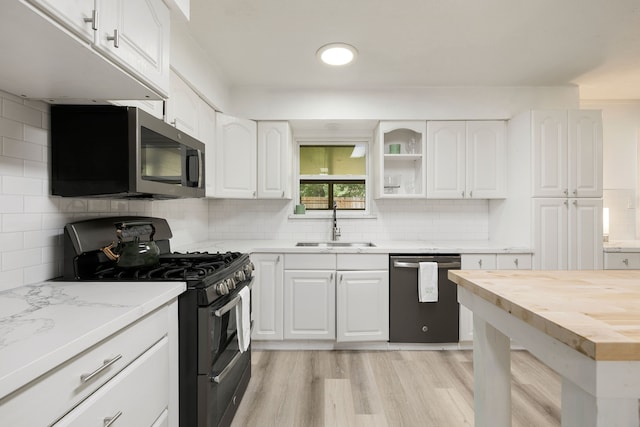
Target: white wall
(457, 103)
(31, 221)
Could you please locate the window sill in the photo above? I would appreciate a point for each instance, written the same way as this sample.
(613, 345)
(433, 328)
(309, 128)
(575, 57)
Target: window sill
(329, 215)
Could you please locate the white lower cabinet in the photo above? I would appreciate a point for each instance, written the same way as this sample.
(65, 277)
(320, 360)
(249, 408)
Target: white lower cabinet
(622, 260)
(135, 397)
(306, 296)
(267, 297)
(309, 308)
(133, 372)
(362, 306)
(520, 261)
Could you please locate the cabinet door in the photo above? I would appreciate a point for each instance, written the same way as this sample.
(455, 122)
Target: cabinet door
(207, 134)
(75, 15)
(550, 234)
(136, 34)
(473, 262)
(274, 160)
(621, 260)
(513, 262)
(267, 297)
(446, 153)
(550, 150)
(235, 157)
(362, 306)
(486, 159)
(119, 399)
(585, 234)
(309, 308)
(585, 153)
(182, 106)
(400, 173)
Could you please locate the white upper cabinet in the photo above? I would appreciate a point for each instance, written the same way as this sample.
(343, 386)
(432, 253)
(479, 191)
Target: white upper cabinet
(466, 159)
(183, 107)
(274, 160)
(585, 153)
(567, 151)
(135, 33)
(68, 57)
(446, 158)
(79, 16)
(486, 159)
(235, 157)
(399, 164)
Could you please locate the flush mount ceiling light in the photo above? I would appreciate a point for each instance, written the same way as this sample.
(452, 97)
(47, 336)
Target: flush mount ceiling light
(337, 53)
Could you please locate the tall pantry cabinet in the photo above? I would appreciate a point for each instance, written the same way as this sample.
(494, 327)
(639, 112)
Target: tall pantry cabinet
(558, 189)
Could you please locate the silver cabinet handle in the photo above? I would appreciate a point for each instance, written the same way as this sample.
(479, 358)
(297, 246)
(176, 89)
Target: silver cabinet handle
(331, 277)
(625, 262)
(575, 192)
(515, 261)
(115, 38)
(93, 20)
(471, 194)
(462, 194)
(566, 203)
(282, 195)
(566, 191)
(480, 263)
(110, 420)
(278, 259)
(575, 203)
(108, 362)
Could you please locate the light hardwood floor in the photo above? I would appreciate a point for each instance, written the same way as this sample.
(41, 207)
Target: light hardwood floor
(385, 388)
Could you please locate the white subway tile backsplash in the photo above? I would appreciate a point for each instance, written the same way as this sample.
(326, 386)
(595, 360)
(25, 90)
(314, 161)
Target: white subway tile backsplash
(11, 203)
(11, 128)
(11, 167)
(36, 135)
(73, 205)
(21, 222)
(21, 113)
(20, 259)
(38, 170)
(21, 185)
(42, 238)
(42, 272)
(98, 205)
(21, 149)
(11, 241)
(41, 204)
(12, 278)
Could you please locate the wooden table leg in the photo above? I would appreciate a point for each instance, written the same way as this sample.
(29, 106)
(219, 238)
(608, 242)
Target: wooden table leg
(581, 409)
(492, 375)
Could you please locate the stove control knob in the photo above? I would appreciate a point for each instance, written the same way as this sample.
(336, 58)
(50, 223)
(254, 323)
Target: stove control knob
(239, 275)
(222, 288)
(231, 283)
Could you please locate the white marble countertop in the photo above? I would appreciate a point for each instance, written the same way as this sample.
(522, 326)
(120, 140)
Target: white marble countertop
(391, 246)
(45, 324)
(622, 246)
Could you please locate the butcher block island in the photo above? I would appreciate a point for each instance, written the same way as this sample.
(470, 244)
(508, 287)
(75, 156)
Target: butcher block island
(583, 324)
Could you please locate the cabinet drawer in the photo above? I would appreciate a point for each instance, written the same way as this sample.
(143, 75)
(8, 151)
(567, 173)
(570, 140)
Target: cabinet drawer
(621, 260)
(363, 262)
(478, 261)
(310, 261)
(137, 396)
(62, 388)
(514, 261)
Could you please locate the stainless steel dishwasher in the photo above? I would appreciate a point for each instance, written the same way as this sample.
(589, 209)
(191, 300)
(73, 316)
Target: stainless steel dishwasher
(411, 321)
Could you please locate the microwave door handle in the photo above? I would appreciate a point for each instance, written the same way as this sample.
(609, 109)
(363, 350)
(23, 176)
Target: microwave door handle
(193, 168)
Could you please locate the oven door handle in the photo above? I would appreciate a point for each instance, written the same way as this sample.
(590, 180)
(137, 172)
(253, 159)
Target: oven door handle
(228, 306)
(220, 377)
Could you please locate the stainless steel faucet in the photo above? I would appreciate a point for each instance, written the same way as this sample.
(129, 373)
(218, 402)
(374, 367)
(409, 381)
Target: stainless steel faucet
(336, 230)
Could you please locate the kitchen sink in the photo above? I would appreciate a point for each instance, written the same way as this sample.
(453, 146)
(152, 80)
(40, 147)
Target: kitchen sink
(336, 244)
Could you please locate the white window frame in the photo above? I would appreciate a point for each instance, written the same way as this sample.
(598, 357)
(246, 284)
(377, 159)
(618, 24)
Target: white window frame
(368, 179)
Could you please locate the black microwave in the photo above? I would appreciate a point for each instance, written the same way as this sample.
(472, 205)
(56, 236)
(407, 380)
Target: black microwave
(122, 152)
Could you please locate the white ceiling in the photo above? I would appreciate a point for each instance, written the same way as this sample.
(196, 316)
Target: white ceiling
(424, 43)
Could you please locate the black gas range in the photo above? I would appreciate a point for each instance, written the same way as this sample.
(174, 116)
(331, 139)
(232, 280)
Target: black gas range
(214, 357)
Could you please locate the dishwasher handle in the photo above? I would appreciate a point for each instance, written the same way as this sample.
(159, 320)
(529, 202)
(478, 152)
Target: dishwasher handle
(403, 264)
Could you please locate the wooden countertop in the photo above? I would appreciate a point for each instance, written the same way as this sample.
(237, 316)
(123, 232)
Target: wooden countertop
(595, 312)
